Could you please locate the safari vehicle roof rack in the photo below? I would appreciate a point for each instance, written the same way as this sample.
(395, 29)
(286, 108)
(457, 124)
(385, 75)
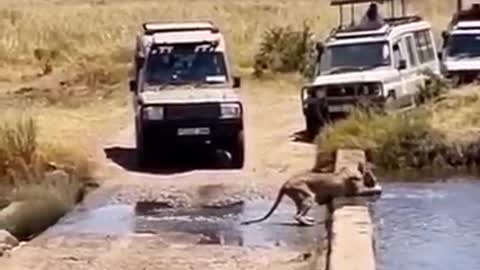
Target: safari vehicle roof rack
(463, 16)
(348, 31)
(152, 27)
(352, 3)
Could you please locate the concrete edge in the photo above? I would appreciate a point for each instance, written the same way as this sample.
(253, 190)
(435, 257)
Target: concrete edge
(351, 240)
(350, 231)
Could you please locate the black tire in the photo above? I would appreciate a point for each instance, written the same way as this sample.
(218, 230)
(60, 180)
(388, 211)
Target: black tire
(313, 126)
(143, 155)
(237, 150)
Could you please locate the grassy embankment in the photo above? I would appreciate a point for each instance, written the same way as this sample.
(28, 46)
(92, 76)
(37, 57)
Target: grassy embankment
(440, 134)
(67, 62)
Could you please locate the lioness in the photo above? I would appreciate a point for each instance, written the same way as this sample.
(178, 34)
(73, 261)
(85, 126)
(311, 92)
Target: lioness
(306, 188)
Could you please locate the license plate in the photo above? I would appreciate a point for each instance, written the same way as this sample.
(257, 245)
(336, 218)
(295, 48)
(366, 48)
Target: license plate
(193, 131)
(340, 108)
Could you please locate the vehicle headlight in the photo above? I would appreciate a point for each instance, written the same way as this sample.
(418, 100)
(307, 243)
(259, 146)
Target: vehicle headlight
(153, 113)
(320, 93)
(230, 110)
(372, 89)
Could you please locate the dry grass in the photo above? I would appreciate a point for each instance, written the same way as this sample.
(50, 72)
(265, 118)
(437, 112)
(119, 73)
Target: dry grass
(44, 172)
(81, 33)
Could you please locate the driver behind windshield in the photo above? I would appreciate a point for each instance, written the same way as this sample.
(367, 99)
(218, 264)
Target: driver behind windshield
(355, 57)
(184, 66)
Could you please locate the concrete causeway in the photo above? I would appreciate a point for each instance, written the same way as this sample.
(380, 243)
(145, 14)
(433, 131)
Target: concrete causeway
(351, 233)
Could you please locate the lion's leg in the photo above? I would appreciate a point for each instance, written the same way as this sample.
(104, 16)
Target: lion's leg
(305, 207)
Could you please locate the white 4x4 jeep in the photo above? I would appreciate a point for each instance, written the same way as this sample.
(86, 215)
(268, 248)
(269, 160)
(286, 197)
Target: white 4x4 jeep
(184, 92)
(382, 66)
(461, 51)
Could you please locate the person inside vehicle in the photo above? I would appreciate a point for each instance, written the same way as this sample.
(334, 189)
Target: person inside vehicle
(372, 18)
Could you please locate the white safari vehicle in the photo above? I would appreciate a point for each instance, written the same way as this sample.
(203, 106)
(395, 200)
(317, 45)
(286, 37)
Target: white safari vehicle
(383, 66)
(184, 93)
(461, 47)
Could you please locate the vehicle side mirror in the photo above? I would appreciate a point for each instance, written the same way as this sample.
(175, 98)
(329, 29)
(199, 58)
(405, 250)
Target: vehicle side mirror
(440, 56)
(140, 61)
(444, 35)
(237, 82)
(132, 85)
(320, 48)
(402, 64)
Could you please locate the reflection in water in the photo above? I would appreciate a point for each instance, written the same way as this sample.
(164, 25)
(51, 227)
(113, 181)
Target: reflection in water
(428, 226)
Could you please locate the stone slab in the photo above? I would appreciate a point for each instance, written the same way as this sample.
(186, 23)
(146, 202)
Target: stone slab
(352, 245)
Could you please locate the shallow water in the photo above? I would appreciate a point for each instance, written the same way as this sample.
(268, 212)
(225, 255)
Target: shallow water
(216, 226)
(428, 226)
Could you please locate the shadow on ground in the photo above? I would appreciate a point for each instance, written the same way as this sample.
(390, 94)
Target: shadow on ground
(170, 162)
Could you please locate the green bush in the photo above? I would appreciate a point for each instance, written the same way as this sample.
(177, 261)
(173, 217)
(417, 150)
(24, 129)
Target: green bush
(285, 49)
(435, 88)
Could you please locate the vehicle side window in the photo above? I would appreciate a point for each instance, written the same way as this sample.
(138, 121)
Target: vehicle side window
(424, 46)
(411, 52)
(397, 54)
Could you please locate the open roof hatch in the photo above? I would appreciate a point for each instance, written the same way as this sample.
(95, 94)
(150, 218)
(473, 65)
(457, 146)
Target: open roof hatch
(352, 3)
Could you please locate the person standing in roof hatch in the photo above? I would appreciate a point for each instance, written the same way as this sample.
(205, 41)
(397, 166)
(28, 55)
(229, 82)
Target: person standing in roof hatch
(372, 18)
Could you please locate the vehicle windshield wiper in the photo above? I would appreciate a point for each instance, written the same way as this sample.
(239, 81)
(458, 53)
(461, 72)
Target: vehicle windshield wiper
(465, 55)
(343, 69)
(373, 66)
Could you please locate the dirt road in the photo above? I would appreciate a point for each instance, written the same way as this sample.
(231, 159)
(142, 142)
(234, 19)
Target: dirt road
(175, 228)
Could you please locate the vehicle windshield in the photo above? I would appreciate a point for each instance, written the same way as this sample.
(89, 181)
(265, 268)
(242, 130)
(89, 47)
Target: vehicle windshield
(355, 57)
(463, 46)
(185, 64)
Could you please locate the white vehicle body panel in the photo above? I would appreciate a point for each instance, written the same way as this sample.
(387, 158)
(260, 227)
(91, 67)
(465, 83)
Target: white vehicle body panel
(401, 82)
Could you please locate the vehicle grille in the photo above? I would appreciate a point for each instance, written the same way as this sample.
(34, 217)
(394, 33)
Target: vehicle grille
(192, 111)
(366, 89)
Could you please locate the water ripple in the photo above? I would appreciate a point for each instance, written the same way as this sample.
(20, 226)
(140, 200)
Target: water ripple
(428, 226)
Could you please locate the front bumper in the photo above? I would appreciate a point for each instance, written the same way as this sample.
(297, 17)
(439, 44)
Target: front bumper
(462, 76)
(220, 131)
(326, 106)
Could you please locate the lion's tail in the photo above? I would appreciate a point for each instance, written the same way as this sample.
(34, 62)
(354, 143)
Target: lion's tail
(281, 193)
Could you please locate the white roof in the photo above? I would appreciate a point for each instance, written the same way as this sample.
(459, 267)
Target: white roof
(185, 37)
(153, 27)
(180, 32)
(467, 24)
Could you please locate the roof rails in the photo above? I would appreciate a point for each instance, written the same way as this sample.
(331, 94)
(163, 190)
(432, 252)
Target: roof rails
(349, 2)
(402, 20)
(352, 3)
(350, 32)
(340, 33)
(468, 25)
(153, 27)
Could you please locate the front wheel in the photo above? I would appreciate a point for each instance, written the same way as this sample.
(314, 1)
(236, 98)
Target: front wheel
(313, 126)
(142, 150)
(237, 150)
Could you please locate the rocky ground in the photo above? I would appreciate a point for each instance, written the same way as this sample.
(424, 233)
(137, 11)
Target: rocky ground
(272, 121)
